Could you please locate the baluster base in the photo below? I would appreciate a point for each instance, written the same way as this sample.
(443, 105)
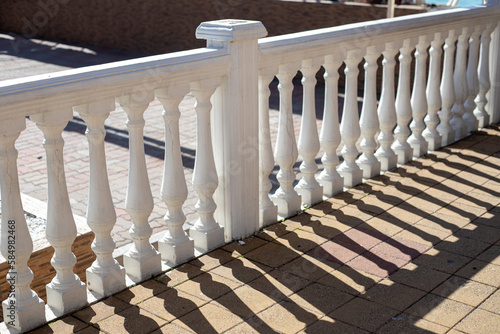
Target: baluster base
(484, 121)
(206, 241)
(352, 176)
(178, 253)
(310, 196)
(460, 129)
(139, 269)
(25, 319)
(268, 216)
(369, 169)
(419, 148)
(404, 154)
(472, 122)
(287, 206)
(331, 187)
(433, 143)
(387, 162)
(65, 301)
(106, 284)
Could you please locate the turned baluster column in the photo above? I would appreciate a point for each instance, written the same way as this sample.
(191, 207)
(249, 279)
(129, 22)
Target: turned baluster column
(206, 232)
(419, 99)
(403, 105)
(65, 293)
(460, 84)
(142, 260)
(369, 119)
(349, 127)
(308, 144)
(447, 91)
(387, 110)
(329, 136)
(484, 78)
(285, 154)
(268, 212)
(431, 135)
(175, 247)
(472, 81)
(105, 276)
(22, 308)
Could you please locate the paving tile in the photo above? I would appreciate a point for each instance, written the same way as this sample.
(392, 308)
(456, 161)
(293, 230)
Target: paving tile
(171, 329)
(278, 284)
(309, 267)
(241, 270)
(349, 280)
(492, 303)
(171, 304)
(286, 317)
(408, 324)
(245, 301)
(462, 246)
(385, 224)
(388, 293)
(480, 321)
(141, 292)
(324, 208)
(440, 223)
(364, 314)
(372, 204)
(400, 248)
(425, 203)
(281, 254)
(490, 218)
(420, 277)
(464, 290)
(350, 215)
(366, 238)
(89, 330)
(208, 286)
(208, 319)
(481, 272)
(377, 264)
(337, 252)
(101, 310)
(250, 326)
(445, 312)
(242, 247)
(301, 241)
(211, 260)
(132, 320)
(325, 227)
(319, 299)
(406, 214)
(442, 260)
(423, 235)
(329, 325)
(462, 211)
(180, 274)
(66, 325)
(274, 231)
(480, 232)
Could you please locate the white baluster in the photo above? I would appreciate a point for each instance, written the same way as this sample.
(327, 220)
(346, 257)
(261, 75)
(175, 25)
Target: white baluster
(65, 293)
(484, 78)
(387, 110)
(175, 247)
(403, 106)
(329, 136)
(268, 212)
(369, 119)
(472, 81)
(105, 276)
(308, 145)
(285, 154)
(142, 260)
(349, 127)
(419, 99)
(206, 232)
(22, 309)
(447, 91)
(433, 94)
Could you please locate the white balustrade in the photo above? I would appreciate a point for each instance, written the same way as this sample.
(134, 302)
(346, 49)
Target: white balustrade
(206, 232)
(387, 109)
(403, 104)
(433, 94)
(268, 212)
(460, 85)
(22, 309)
(175, 247)
(142, 260)
(349, 126)
(308, 145)
(105, 276)
(472, 80)
(285, 151)
(484, 78)
(66, 292)
(369, 119)
(447, 91)
(419, 99)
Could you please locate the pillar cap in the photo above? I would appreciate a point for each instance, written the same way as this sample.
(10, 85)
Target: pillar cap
(230, 30)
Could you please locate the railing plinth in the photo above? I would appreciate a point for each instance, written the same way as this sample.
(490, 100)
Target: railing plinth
(65, 301)
(205, 241)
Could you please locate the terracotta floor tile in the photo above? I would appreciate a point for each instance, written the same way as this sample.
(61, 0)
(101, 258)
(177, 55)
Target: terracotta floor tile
(208, 319)
(388, 293)
(480, 321)
(372, 205)
(132, 320)
(180, 274)
(492, 303)
(420, 277)
(208, 286)
(243, 247)
(245, 301)
(101, 310)
(350, 215)
(436, 222)
(465, 291)
(455, 209)
(286, 317)
(385, 224)
(481, 272)
(363, 313)
(443, 193)
(445, 312)
(400, 248)
(480, 232)
(442, 260)
(320, 299)
(211, 260)
(423, 235)
(241, 270)
(377, 264)
(66, 325)
(281, 254)
(329, 325)
(301, 241)
(171, 304)
(309, 267)
(408, 324)
(336, 252)
(325, 227)
(324, 208)
(278, 284)
(141, 292)
(366, 238)
(349, 280)
(406, 214)
(425, 203)
(462, 246)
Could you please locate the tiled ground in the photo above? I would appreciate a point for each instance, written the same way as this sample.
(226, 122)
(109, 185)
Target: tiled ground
(416, 250)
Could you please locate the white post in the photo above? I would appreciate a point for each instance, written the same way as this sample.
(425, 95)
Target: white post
(472, 80)
(142, 260)
(175, 247)
(22, 309)
(369, 119)
(65, 293)
(105, 276)
(484, 79)
(329, 136)
(308, 144)
(494, 92)
(236, 127)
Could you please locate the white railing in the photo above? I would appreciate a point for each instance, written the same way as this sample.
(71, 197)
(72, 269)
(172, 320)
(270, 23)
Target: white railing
(234, 157)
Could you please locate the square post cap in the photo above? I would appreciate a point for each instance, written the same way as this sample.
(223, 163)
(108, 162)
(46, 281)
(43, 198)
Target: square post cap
(230, 30)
